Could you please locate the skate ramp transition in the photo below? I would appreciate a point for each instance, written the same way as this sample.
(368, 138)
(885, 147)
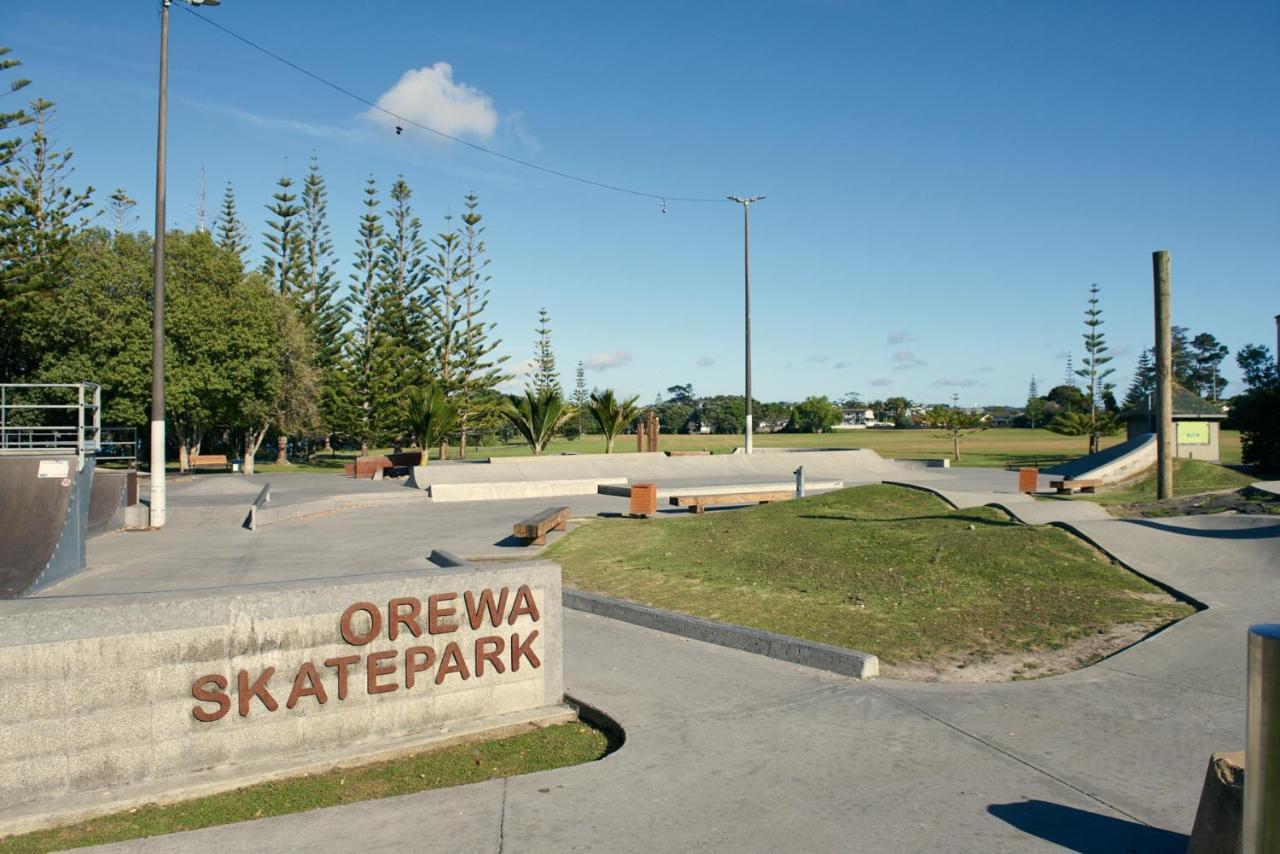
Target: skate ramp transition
(1119, 464)
(108, 495)
(43, 521)
(526, 477)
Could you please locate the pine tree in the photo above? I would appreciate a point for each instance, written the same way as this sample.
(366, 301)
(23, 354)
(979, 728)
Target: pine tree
(1144, 381)
(282, 264)
(229, 230)
(545, 375)
(120, 209)
(402, 273)
(325, 314)
(1070, 378)
(363, 306)
(581, 397)
(14, 118)
(1035, 404)
(444, 314)
(1095, 371)
(40, 214)
(480, 371)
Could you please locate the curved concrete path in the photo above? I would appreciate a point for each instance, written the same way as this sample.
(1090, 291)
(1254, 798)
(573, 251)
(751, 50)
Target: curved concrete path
(729, 751)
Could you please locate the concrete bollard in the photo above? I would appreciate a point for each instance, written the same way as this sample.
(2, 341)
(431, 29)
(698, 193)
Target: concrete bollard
(1262, 747)
(799, 473)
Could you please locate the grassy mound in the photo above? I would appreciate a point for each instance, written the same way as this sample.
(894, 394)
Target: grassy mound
(1190, 477)
(883, 569)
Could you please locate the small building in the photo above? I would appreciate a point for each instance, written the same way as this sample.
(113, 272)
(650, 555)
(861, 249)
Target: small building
(1196, 424)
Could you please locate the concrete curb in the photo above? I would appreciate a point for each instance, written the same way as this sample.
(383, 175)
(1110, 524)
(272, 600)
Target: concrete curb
(846, 662)
(287, 512)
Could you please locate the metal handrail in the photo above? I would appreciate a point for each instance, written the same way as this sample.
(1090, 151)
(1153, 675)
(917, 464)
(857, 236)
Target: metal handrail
(87, 437)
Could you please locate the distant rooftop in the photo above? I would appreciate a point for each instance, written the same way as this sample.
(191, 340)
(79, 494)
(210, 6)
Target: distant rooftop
(1185, 403)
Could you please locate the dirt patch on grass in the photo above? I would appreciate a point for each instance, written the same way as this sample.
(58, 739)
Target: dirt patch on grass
(1015, 666)
(1244, 501)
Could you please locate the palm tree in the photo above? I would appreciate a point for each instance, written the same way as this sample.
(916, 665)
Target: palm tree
(432, 416)
(611, 414)
(537, 415)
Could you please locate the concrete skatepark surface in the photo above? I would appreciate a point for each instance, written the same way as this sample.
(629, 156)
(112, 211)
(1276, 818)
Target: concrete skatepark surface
(729, 751)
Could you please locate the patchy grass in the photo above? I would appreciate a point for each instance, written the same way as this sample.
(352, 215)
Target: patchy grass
(884, 569)
(539, 750)
(1190, 477)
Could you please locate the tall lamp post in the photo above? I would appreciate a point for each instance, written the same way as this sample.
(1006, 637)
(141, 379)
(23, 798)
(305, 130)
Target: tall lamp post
(746, 202)
(158, 501)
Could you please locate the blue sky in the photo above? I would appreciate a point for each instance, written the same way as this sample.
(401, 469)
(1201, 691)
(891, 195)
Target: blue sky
(944, 180)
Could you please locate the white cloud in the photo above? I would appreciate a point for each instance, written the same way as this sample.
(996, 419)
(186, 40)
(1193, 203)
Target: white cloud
(273, 122)
(904, 359)
(900, 336)
(605, 361)
(706, 362)
(955, 382)
(431, 97)
(520, 374)
(881, 382)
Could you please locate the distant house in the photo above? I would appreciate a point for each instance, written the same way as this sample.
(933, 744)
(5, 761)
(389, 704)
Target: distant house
(1196, 423)
(858, 419)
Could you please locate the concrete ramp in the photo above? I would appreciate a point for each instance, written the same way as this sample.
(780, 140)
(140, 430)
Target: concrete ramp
(1115, 465)
(44, 515)
(108, 496)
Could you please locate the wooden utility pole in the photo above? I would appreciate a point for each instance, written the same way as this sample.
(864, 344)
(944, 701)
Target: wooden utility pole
(1164, 377)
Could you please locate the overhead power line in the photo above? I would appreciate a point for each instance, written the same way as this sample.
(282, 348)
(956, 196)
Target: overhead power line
(405, 120)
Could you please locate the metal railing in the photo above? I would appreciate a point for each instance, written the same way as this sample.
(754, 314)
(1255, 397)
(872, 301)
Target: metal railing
(119, 445)
(51, 417)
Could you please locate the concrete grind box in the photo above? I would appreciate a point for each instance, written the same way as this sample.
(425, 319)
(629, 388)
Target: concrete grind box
(163, 694)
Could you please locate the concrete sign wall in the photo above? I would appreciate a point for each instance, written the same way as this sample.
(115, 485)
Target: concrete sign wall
(135, 693)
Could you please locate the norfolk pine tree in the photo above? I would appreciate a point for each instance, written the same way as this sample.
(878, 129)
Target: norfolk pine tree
(580, 396)
(545, 375)
(448, 269)
(282, 263)
(325, 314)
(363, 306)
(228, 229)
(1095, 371)
(1035, 404)
(479, 370)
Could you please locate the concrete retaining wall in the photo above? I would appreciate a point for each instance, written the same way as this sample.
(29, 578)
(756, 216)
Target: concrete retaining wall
(1115, 465)
(111, 696)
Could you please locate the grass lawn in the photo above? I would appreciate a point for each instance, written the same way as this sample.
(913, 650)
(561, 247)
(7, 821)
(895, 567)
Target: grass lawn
(888, 570)
(1190, 477)
(991, 448)
(540, 750)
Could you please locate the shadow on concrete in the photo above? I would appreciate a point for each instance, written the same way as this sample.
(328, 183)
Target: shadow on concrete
(1087, 832)
(1251, 533)
(512, 542)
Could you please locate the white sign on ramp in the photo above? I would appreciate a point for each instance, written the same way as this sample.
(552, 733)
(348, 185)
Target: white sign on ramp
(54, 468)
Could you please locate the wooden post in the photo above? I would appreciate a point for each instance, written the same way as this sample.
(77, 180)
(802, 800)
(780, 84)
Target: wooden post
(1164, 378)
(651, 422)
(639, 437)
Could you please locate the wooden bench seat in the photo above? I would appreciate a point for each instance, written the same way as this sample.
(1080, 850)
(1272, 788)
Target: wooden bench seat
(1066, 487)
(534, 530)
(699, 503)
(209, 461)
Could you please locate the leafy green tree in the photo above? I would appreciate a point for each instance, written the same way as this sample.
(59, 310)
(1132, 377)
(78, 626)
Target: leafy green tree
(479, 370)
(364, 306)
(40, 214)
(545, 375)
(1207, 354)
(611, 414)
(282, 264)
(280, 393)
(956, 424)
(1257, 366)
(814, 415)
(1066, 398)
(536, 416)
(1095, 372)
(231, 233)
(431, 415)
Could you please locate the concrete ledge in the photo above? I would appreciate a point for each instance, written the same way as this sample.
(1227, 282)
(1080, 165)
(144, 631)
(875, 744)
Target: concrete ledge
(518, 489)
(846, 662)
(812, 485)
(274, 514)
(445, 559)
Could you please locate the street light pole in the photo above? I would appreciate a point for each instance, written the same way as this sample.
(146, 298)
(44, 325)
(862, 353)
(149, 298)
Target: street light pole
(746, 202)
(158, 500)
(157, 310)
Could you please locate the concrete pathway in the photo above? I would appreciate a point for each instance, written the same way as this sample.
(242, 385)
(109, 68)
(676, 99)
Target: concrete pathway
(728, 751)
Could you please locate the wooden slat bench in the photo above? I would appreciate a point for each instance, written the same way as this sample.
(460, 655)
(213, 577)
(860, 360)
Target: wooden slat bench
(535, 528)
(699, 503)
(1066, 487)
(209, 461)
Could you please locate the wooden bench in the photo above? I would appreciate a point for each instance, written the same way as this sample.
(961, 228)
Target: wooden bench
(208, 461)
(1066, 487)
(366, 467)
(699, 503)
(535, 529)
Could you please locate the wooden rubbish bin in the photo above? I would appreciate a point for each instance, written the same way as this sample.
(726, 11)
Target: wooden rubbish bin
(1027, 479)
(644, 499)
